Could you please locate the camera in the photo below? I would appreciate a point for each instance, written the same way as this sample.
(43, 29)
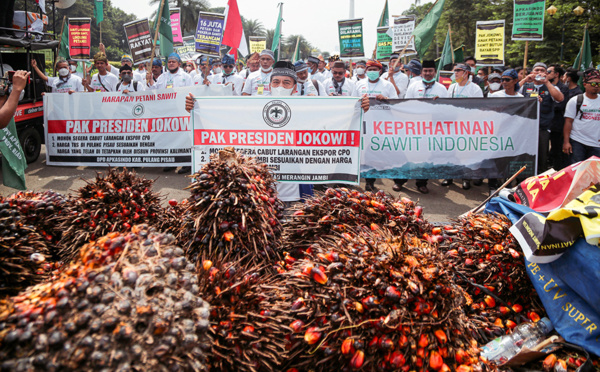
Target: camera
(539, 78)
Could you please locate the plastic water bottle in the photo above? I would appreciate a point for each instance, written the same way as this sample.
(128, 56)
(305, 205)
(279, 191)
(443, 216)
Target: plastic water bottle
(502, 349)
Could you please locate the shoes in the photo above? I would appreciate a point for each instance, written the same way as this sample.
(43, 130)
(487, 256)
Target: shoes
(169, 169)
(397, 187)
(478, 182)
(466, 184)
(370, 187)
(423, 189)
(447, 182)
(185, 170)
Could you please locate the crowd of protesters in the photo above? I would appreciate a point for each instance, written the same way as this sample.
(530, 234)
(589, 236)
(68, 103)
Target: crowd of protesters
(569, 119)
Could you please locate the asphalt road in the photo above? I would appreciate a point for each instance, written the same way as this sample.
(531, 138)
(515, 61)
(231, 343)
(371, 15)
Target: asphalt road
(440, 205)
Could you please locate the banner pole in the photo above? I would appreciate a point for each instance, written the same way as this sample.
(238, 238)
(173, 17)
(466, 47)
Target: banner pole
(100, 27)
(160, 9)
(402, 52)
(525, 59)
(62, 30)
(451, 48)
(582, 46)
(499, 189)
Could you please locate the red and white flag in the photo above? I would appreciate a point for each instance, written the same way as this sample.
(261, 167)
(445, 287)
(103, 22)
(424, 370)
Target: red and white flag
(234, 31)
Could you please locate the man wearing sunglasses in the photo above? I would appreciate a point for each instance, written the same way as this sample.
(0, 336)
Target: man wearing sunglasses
(338, 85)
(582, 124)
(228, 76)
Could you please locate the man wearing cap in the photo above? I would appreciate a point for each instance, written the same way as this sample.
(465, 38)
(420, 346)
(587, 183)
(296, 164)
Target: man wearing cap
(582, 128)
(494, 83)
(462, 88)
(252, 65)
(537, 85)
(282, 81)
(102, 81)
(216, 68)
(125, 60)
(472, 62)
(155, 71)
(202, 77)
(304, 85)
(359, 71)
(127, 84)
(257, 83)
(313, 69)
(174, 77)
(338, 84)
(398, 79)
(322, 70)
(413, 70)
(228, 76)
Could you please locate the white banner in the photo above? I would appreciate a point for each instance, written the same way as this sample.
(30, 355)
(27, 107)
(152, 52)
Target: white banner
(469, 138)
(401, 32)
(149, 128)
(302, 139)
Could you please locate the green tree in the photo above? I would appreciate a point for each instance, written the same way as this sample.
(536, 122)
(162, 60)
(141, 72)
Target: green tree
(188, 9)
(252, 27)
(289, 47)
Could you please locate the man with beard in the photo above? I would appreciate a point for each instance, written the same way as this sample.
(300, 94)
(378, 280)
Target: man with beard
(174, 77)
(282, 83)
(257, 83)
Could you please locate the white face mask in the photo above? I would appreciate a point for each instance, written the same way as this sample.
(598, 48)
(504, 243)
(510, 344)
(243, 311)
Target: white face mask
(302, 81)
(218, 70)
(360, 71)
(63, 72)
(495, 86)
(281, 92)
(73, 68)
(266, 70)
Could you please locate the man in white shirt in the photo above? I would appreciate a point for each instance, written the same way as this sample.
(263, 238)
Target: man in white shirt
(359, 71)
(313, 69)
(257, 83)
(139, 74)
(156, 70)
(73, 68)
(252, 64)
(174, 76)
(338, 85)
(102, 81)
(322, 70)
(413, 71)
(127, 83)
(462, 88)
(228, 76)
(304, 85)
(216, 68)
(398, 79)
(582, 124)
(66, 82)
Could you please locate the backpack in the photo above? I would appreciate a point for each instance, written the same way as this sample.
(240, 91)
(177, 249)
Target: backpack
(135, 85)
(316, 84)
(579, 103)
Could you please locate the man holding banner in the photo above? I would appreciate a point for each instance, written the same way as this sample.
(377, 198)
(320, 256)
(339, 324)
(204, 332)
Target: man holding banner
(173, 78)
(228, 77)
(66, 82)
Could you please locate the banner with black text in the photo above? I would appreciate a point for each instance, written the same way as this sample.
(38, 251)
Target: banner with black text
(302, 139)
(468, 138)
(80, 38)
(209, 33)
(148, 129)
(139, 39)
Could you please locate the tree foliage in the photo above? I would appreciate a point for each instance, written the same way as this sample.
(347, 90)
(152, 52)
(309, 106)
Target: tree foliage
(462, 15)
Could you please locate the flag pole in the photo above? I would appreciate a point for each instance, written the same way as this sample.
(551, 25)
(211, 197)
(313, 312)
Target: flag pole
(403, 50)
(160, 9)
(100, 27)
(525, 58)
(296, 49)
(280, 33)
(582, 46)
(62, 30)
(451, 48)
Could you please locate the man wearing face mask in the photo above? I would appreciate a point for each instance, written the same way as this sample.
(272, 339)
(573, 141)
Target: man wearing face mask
(339, 85)
(257, 83)
(322, 70)
(283, 84)
(313, 69)
(228, 76)
(66, 82)
(398, 79)
(217, 68)
(73, 68)
(174, 77)
(304, 85)
(494, 83)
(463, 88)
(127, 84)
(413, 72)
(103, 81)
(359, 71)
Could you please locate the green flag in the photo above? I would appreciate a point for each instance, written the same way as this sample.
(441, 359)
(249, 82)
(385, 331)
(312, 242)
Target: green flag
(425, 31)
(446, 57)
(384, 20)
(297, 53)
(581, 63)
(63, 48)
(99, 11)
(13, 159)
(163, 22)
(277, 35)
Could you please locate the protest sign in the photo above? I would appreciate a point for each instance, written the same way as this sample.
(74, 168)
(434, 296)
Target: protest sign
(302, 140)
(489, 48)
(351, 38)
(139, 39)
(176, 27)
(466, 138)
(384, 44)
(79, 38)
(401, 35)
(528, 20)
(149, 128)
(188, 50)
(257, 44)
(209, 33)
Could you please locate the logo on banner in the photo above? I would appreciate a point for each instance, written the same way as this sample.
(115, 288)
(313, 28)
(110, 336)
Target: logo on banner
(138, 110)
(277, 114)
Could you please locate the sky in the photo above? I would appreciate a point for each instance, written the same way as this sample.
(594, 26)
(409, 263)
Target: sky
(316, 20)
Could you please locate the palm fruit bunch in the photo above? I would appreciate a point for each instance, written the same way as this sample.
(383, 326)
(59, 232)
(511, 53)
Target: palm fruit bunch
(233, 210)
(367, 300)
(24, 256)
(246, 336)
(111, 203)
(565, 360)
(37, 208)
(129, 302)
(490, 267)
(337, 209)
